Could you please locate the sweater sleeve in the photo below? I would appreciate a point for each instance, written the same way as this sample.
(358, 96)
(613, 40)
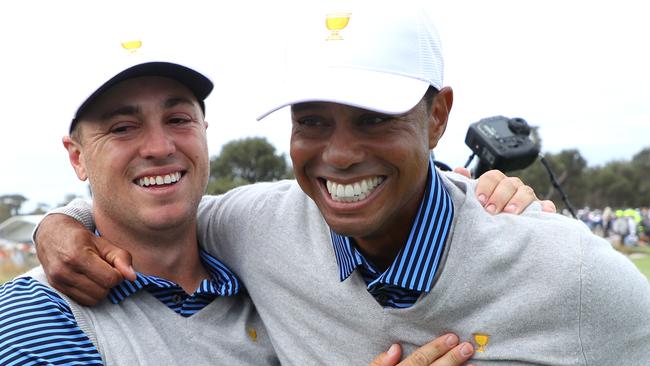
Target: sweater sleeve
(78, 209)
(614, 307)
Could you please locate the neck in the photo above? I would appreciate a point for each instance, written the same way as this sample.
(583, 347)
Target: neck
(170, 254)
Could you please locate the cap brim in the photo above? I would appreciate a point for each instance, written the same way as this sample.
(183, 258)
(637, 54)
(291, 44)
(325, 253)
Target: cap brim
(372, 90)
(200, 85)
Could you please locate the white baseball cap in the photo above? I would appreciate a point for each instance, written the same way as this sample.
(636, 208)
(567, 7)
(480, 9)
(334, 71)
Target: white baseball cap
(374, 56)
(119, 61)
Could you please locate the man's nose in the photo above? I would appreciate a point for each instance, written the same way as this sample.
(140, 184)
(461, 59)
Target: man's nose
(343, 149)
(157, 144)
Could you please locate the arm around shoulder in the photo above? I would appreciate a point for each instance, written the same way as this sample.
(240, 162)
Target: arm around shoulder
(615, 307)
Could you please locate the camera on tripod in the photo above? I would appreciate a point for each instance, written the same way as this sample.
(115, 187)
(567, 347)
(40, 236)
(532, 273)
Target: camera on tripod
(501, 143)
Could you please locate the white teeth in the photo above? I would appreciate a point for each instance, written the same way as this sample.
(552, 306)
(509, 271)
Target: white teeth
(340, 191)
(159, 179)
(352, 192)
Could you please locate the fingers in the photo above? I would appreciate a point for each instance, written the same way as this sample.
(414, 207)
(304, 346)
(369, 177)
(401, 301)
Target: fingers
(523, 196)
(85, 292)
(85, 277)
(442, 351)
(463, 171)
(119, 258)
(456, 356)
(494, 189)
(388, 358)
(72, 263)
(548, 206)
(497, 193)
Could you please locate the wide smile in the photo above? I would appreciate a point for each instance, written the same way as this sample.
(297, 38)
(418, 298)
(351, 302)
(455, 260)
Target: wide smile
(159, 180)
(353, 191)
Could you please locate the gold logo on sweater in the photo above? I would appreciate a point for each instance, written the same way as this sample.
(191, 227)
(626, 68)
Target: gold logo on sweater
(481, 340)
(335, 22)
(252, 333)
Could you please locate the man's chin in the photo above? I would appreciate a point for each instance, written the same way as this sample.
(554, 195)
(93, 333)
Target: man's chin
(347, 226)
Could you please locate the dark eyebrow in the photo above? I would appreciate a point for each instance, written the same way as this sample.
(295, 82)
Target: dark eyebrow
(127, 110)
(172, 102)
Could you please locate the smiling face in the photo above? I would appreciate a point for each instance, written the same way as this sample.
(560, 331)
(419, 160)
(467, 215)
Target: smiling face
(142, 145)
(366, 171)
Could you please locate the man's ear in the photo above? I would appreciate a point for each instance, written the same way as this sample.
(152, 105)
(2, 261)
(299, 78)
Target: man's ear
(75, 155)
(439, 115)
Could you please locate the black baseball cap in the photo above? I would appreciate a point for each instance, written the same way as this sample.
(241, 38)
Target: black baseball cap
(195, 81)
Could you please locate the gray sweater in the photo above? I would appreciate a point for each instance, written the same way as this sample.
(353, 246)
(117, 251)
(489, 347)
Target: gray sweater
(141, 330)
(540, 287)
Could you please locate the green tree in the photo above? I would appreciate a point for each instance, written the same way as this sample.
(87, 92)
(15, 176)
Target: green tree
(618, 184)
(13, 202)
(246, 161)
(640, 171)
(5, 212)
(568, 166)
(40, 209)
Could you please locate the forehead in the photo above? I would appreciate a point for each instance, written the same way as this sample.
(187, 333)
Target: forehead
(328, 107)
(343, 109)
(145, 89)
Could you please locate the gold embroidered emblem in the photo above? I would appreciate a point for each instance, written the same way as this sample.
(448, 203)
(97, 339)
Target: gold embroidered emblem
(252, 334)
(132, 46)
(481, 340)
(335, 22)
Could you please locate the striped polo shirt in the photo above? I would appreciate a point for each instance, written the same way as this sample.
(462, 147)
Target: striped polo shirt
(413, 270)
(37, 325)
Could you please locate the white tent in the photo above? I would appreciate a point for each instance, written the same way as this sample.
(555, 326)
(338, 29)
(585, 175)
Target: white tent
(18, 229)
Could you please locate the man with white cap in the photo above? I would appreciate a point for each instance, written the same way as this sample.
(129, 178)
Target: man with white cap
(382, 248)
(415, 252)
(376, 246)
(140, 140)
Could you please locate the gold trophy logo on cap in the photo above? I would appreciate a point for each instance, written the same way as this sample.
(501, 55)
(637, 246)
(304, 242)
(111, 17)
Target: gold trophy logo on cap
(132, 46)
(335, 22)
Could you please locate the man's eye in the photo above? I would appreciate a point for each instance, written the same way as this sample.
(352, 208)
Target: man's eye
(311, 122)
(122, 128)
(373, 120)
(178, 120)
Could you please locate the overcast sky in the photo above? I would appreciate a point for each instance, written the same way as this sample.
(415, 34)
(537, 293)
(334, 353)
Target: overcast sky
(577, 69)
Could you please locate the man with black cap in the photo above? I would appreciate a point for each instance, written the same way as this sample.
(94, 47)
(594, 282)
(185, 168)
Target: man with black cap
(140, 140)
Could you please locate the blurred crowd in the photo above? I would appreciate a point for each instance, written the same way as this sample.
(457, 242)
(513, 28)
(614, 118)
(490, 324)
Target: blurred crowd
(628, 227)
(16, 258)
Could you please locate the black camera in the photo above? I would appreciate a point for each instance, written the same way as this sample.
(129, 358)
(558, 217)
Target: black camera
(501, 143)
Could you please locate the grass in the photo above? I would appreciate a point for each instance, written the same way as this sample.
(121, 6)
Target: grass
(643, 264)
(8, 270)
(640, 256)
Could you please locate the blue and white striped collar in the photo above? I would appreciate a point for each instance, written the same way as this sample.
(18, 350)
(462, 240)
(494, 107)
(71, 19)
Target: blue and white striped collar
(416, 264)
(222, 282)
